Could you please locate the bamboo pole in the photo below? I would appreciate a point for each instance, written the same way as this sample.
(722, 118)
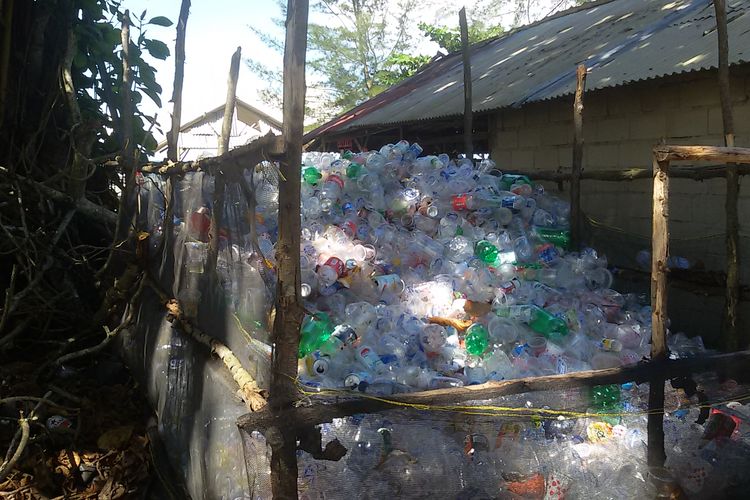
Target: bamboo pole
(468, 141)
(289, 312)
(659, 253)
(575, 175)
(730, 334)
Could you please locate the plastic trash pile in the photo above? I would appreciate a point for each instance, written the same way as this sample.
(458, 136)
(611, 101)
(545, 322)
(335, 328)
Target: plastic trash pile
(423, 272)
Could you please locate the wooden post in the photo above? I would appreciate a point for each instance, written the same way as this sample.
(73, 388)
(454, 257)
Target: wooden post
(289, 313)
(6, 21)
(226, 124)
(575, 174)
(468, 142)
(659, 252)
(179, 76)
(730, 338)
(217, 210)
(172, 139)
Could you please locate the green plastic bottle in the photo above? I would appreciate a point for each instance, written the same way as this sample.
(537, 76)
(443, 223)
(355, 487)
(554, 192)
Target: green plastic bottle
(353, 170)
(507, 180)
(311, 175)
(347, 155)
(316, 330)
(486, 251)
(546, 323)
(605, 398)
(558, 237)
(477, 339)
(540, 320)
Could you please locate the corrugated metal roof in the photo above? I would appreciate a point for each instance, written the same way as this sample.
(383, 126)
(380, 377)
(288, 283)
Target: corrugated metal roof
(620, 41)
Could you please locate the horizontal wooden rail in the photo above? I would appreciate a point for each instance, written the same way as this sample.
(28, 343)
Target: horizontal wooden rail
(635, 173)
(702, 153)
(269, 147)
(325, 408)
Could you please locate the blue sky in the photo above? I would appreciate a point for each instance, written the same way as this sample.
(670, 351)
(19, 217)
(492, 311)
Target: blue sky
(214, 31)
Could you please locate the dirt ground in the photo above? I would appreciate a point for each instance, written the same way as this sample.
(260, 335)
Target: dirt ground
(88, 437)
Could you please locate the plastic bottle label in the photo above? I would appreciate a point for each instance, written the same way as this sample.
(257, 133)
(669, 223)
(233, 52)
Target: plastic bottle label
(508, 201)
(336, 264)
(391, 282)
(459, 202)
(369, 358)
(349, 226)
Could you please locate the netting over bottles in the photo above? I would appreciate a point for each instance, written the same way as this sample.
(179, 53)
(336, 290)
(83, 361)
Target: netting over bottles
(418, 272)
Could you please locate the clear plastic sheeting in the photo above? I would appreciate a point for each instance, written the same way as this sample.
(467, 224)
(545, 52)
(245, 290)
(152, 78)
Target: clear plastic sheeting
(194, 394)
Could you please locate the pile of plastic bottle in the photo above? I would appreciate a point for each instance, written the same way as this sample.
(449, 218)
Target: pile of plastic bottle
(423, 272)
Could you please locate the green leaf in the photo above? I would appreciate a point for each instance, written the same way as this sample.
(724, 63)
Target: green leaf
(161, 21)
(143, 14)
(153, 94)
(156, 48)
(79, 60)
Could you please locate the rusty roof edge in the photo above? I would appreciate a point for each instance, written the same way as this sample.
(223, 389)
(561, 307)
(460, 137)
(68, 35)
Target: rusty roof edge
(362, 109)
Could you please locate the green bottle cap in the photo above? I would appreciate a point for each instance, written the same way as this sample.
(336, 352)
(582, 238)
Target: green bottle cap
(486, 251)
(311, 175)
(353, 170)
(477, 339)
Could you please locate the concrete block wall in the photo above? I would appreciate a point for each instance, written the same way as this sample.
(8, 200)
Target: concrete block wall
(621, 126)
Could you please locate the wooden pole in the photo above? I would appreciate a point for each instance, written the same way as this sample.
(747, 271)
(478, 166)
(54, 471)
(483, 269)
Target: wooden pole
(468, 142)
(575, 175)
(730, 335)
(179, 76)
(172, 139)
(226, 124)
(289, 312)
(6, 22)
(659, 252)
(217, 210)
(326, 407)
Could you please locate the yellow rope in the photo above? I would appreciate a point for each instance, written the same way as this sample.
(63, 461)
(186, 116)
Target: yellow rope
(506, 411)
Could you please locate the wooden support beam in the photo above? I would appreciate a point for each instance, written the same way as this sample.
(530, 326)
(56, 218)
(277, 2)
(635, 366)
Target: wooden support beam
(289, 312)
(179, 76)
(468, 111)
(659, 254)
(325, 408)
(702, 153)
(575, 175)
(729, 334)
(268, 147)
(696, 173)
